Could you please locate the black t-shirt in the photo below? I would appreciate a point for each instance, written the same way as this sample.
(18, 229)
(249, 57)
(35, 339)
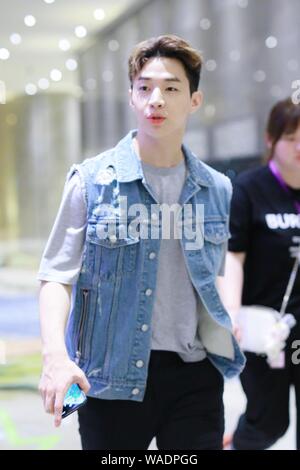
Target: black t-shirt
(263, 222)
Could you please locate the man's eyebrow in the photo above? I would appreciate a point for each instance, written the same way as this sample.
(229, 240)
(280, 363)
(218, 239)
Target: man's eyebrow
(170, 79)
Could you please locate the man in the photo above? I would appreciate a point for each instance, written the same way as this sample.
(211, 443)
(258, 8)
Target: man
(148, 339)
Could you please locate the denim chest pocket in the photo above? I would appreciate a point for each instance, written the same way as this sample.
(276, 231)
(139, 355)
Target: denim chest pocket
(215, 235)
(115, 249)
(215, 231)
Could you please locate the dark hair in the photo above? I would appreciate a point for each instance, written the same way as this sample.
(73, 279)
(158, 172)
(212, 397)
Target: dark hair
(284, 118)
(171, 46)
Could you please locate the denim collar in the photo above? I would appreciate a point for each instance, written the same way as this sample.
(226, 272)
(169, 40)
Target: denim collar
(129, 167)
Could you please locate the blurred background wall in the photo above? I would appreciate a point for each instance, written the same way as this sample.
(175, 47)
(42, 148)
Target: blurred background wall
(64, 97)
(250, 51)
(251, 58)
(41, 139)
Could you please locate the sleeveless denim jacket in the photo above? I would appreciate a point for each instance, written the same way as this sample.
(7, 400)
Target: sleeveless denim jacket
(109, 329)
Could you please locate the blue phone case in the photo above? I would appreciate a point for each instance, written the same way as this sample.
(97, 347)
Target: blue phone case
(74, 399)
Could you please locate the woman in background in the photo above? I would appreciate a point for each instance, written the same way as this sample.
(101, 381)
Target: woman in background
(265, 233)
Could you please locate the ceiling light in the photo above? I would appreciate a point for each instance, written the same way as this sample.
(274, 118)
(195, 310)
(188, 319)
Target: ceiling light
(49, 1)
(113, 45)
(4, 53)
(271, 42)
(205, 24)
(211, 65)
(43, 83)
(71, 64)
(80, 31)
(55, 75)
(15, 39)
(64, 44)
(99, 14)
(31, 89)
(29, 20)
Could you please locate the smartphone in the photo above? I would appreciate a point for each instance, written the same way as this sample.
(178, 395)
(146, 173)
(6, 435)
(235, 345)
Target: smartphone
(74, 399)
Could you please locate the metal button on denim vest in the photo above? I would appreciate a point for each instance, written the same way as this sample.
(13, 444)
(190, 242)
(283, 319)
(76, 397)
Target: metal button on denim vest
(109, 330)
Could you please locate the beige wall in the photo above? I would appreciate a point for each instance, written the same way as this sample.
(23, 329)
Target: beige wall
(8, 194)
(36, 150)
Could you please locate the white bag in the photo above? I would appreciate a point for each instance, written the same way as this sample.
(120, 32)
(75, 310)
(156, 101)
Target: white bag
(263, 329)
(255, 323)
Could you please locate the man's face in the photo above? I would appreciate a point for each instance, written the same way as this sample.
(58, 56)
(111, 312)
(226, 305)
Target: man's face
(287, 151)
(161, 97)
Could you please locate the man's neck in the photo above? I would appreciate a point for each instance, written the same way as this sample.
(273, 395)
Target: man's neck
(291, 178)
(158, 152)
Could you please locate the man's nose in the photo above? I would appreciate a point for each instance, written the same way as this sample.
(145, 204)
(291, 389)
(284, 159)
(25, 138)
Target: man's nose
(156, 98)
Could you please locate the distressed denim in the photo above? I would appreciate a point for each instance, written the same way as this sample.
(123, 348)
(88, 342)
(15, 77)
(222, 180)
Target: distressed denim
(109, 330)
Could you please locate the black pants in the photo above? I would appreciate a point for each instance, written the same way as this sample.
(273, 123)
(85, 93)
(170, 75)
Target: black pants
(266, 418)
(182, 407)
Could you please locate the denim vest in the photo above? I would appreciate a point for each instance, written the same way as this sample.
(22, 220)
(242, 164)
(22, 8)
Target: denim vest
(109, 329)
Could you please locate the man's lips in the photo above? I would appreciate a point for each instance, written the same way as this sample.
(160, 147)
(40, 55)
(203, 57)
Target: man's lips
(157, 119)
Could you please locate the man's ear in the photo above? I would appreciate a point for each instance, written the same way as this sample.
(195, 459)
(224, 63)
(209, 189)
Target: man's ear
(196, 101)
(131, 104)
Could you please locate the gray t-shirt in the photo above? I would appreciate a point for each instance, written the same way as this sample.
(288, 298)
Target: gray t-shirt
(175, 311)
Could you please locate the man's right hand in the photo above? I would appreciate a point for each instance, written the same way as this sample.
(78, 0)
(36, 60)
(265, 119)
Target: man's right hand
(58, 374)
